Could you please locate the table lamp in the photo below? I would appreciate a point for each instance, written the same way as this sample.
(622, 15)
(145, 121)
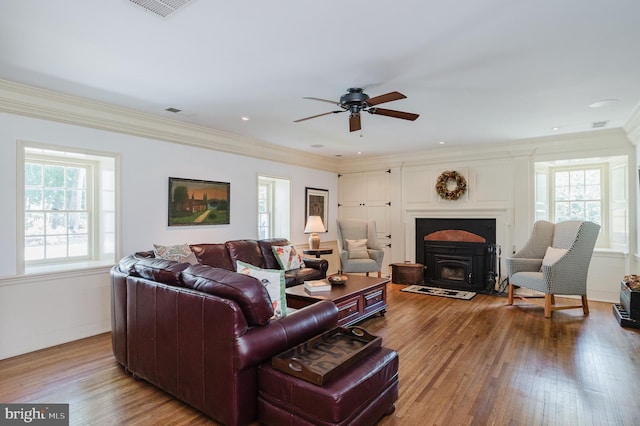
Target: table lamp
(314, 225)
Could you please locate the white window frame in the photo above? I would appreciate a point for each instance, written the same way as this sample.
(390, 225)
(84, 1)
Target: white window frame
(279, 205)
(268, 203)
(602, 167)
(102, 206)
(614, 231)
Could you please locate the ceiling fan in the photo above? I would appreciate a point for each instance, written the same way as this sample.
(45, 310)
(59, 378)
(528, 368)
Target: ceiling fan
(356, 101)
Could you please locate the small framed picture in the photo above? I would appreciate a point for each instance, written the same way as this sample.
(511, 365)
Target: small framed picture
(198, 202)
(317, 204)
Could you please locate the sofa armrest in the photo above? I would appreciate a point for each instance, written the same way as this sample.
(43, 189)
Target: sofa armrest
(319, 264)
(260, 344)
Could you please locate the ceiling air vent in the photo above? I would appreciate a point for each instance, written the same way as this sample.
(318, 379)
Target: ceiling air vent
(598, 124)
(163, 8)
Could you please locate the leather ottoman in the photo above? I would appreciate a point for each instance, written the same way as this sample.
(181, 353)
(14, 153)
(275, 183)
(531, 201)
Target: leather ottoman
(365, 393)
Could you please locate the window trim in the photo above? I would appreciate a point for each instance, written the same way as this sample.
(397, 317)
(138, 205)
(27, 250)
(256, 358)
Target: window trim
(544, 206)
(99, 257)
(281, 193)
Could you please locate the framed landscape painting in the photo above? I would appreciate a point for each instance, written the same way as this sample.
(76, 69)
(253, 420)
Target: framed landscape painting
(198, 202)
(317, 204)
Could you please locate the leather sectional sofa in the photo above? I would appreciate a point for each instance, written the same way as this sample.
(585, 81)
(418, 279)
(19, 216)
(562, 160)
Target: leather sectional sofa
(258, 253)
(200, 332)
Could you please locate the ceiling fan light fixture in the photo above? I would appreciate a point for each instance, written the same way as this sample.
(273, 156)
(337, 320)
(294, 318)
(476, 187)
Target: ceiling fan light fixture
(356, 101)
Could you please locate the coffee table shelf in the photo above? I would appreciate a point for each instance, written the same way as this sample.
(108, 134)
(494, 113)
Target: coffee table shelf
(359, 298)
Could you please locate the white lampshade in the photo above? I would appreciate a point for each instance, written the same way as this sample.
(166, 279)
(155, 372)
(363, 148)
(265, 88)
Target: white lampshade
(314, 224)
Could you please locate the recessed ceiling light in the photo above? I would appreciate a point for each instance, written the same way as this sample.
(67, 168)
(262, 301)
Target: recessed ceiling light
(555, 128)
(603, 103)
(245, 118)
(442, 142)
(359, 152)
(317, 146)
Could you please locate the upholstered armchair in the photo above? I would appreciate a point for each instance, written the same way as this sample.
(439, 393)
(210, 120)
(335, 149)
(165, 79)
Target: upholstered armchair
(554, 261)
(358, 247)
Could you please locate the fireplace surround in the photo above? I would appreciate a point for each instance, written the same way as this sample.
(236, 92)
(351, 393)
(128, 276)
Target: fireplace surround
(457, 253)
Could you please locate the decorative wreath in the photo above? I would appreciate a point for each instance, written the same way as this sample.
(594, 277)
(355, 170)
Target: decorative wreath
(443, 182)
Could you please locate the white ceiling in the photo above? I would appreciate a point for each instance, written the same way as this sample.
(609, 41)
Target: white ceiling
(477, 71)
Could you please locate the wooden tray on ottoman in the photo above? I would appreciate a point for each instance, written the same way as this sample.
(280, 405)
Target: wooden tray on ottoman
(328, 355)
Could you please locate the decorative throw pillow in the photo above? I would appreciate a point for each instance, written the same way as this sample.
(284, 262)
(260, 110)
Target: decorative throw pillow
(288, 257)
(357, 249)
(552, 255)
(273, 280)
(180, 253)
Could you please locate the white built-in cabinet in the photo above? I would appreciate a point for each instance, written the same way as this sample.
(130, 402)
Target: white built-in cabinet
(366, 196)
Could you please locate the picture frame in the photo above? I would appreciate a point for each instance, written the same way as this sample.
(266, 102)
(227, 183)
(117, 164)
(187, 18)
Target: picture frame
(317, 204)
(195, 202)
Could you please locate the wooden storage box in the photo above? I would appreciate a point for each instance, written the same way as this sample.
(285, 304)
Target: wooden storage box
(630, 301)
(407, 273)
(628, 311)
(328, 355)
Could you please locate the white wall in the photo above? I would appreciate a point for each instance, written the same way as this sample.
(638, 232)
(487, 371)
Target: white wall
(40, 311)
(500, 185)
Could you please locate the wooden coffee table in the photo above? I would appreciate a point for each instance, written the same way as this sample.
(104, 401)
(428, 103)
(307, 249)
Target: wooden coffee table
(357, 299)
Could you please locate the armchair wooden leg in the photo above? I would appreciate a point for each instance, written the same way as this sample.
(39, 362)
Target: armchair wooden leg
(379, 274)
(553, 299)
(547, 305)
(510, 295)
(585, 305)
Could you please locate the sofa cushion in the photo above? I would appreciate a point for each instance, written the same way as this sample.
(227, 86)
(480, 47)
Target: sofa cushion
(215, 255)
(288, 257)
(179, 253)
(266, 247)
(161, 270)
(247, 292)
(246, 251)
(273, 281)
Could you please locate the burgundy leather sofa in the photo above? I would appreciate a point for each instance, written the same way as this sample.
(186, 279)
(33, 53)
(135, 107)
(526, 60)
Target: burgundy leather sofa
(200, 332)
(260, 254)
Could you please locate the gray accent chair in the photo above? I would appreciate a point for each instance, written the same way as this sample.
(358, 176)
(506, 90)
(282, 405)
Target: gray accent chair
(566, 276)
(352, 229)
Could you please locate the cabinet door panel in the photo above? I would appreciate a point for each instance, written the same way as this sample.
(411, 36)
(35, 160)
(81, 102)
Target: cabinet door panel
(351, 188)
(376, 187)
(380, 214)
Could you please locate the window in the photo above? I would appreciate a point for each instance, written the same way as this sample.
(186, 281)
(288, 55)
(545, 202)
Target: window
(274, 206)
(56, 215)
(265, 208)
(68, 204)
(578, 194)
(593, 189)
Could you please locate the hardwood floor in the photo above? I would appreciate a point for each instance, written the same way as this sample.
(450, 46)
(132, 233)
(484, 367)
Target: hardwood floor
(477, 362)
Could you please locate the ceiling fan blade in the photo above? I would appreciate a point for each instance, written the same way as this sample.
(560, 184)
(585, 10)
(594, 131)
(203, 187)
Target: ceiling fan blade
(393, 113)
(321, 100)
(315, 116)
(387, 97)
(354, 122)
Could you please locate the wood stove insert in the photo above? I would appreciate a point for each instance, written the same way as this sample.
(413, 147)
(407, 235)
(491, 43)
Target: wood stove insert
(455, 257)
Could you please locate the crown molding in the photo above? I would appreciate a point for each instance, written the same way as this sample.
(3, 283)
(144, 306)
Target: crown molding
(556, 146)
(16, 98)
